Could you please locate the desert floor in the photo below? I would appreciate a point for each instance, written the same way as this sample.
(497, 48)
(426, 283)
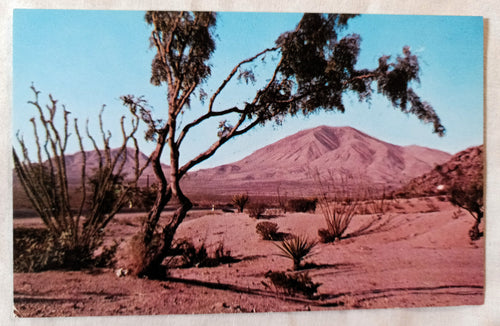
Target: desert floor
(416, 254)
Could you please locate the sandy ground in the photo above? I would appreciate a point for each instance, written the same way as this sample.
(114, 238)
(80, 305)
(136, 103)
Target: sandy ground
(416, 254)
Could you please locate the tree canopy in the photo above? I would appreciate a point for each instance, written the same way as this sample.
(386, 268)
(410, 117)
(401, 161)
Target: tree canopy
(314, 68)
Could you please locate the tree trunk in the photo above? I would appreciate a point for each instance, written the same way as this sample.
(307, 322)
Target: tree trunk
(154, 256)
(474, 232)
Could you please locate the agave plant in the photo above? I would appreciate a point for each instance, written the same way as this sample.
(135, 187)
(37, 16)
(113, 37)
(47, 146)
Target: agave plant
(296, 248)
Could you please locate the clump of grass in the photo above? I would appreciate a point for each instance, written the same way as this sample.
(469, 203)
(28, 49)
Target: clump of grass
(199, 257)
(296, 248)
(293, 283)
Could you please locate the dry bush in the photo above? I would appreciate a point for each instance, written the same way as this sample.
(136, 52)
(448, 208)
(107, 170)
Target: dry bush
(199, 257)
(240, 200)
(256, 210)
(37, 250)
(339, 200)
(143, 197)
(293, 283)
(302, 205)
(75, 229)
(338, 217)
(267, 230)
(139, 256)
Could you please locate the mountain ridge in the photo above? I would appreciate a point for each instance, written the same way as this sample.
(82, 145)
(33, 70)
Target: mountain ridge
(292, 163)
(324, 150)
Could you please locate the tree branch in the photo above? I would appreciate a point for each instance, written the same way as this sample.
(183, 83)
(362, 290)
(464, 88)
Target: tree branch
(233, 72)
(203, 118)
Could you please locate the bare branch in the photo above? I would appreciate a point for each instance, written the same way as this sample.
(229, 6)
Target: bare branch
(83, 176)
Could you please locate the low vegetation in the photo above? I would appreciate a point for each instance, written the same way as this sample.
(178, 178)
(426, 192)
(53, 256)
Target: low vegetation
(37, 250)
(240, 200)
(293, 283)
(200, 257)
(74, 233)
(296, 248)
(257, 210)
(302, 205)
(268, 230)
(338, 216)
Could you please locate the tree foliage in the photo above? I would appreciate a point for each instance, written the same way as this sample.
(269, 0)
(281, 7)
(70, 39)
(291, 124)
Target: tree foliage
(314, 68)
(469, 196)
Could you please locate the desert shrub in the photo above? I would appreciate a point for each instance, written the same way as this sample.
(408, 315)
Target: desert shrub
(292, 283)
(282, 200)
(256, 210)
(75, 220)
(143, 197)
(199, 257)
(240, 200)
(296, 248)
(469, 196)
(267, 230)
(37, 250)
(338, 216)
(302, 204)
(339, 201)
(107, 256)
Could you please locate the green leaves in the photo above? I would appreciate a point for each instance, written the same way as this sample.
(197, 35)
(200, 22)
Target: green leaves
(323, 67)
(184, 41)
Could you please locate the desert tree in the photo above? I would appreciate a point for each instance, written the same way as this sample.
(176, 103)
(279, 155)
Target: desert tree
(313, 68)
(469, 196)
(77, 221)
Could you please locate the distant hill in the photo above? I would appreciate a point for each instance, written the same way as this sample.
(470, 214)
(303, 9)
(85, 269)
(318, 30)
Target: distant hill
(73, 170)
(463, 167)
(290, 163)
(341, 151)
(74, 164)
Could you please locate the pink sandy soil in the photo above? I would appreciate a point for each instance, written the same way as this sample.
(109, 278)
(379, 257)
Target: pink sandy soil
(417, 254)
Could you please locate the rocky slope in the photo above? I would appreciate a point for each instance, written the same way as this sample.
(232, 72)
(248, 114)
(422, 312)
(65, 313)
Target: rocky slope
(294, 161)
(464, 167)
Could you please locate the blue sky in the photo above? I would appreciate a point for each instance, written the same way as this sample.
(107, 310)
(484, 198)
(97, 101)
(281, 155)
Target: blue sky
(90, 58)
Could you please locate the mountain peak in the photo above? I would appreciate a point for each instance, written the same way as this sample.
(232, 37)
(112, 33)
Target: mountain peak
(325, 149)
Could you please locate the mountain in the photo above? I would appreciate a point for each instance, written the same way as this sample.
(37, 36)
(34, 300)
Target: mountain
(291, 162)
(464, 167)
(292, 165)
(74, 164)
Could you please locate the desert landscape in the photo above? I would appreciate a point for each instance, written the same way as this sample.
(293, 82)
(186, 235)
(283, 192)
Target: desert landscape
(329, 161)
(406, 244)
